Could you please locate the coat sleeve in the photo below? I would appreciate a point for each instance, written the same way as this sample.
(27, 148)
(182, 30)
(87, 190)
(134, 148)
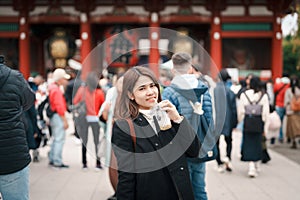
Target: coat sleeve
(241, 107)
(122, 146)
(28, 96)
(266, 107)
(188, 137)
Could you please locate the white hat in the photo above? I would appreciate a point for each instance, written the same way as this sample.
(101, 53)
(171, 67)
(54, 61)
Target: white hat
(59, 74)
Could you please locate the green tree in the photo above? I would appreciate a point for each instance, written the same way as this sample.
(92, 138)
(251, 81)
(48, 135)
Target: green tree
(291, 51)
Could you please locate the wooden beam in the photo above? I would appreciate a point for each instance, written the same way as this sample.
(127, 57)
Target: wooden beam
(191, 19)
(226, 19)
(109, 19)
(247, 34)
(9, 34)
(57, 19)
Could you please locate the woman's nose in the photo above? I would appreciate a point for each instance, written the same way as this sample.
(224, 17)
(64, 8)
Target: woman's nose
(149, 91)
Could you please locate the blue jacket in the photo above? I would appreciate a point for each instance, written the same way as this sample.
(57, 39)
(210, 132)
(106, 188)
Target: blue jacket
(181, 99)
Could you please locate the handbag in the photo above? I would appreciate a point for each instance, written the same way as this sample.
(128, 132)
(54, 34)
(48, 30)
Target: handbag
(79, 110)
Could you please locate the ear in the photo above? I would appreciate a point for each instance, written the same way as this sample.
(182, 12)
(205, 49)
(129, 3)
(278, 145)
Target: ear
(191, 70)
(130, 96)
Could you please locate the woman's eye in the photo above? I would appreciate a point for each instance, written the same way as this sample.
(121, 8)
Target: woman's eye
(152, 85)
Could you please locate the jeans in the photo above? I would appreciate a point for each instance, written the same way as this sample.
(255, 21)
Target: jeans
(281, 112)
(58, 134)
(15, 186)
(197, 175)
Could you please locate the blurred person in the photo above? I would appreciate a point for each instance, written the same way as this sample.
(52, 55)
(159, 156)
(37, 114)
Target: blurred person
(293, 115)
(33, 132)
(230, 120)
(58, 121)
(73, 85)
(106, 114)
(93, 97)
(35, 81)
(252, 140)
(151, 177)
(280, 87)
(15, 97)
(245, 84)
(184, 86)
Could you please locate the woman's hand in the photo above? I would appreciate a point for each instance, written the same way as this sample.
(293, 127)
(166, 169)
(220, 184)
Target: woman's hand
(170, 109)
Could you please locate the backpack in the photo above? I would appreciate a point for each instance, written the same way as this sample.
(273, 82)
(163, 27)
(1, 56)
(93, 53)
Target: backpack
(45, 105)
(295, 103)
(205, 132)
(253, 116)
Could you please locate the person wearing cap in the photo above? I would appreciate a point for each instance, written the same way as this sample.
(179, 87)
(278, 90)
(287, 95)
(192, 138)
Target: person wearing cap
(58, 121)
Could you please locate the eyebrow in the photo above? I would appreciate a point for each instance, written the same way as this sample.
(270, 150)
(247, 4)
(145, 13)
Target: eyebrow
(146, 85)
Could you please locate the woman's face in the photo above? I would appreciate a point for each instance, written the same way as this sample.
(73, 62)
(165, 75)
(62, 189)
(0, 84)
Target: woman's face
(145, 93)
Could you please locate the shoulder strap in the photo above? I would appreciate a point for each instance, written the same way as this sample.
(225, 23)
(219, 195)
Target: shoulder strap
(248, 98)
(260, 97)
(277, 92)
(132, 131)
(256, 101)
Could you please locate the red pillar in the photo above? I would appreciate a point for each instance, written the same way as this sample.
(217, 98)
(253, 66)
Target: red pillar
(216, 45)
(24, 48)
(85, 33)
(277, 55)
(154, 36)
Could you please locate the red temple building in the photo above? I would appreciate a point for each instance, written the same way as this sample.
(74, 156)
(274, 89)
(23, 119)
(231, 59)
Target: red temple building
(36, 35)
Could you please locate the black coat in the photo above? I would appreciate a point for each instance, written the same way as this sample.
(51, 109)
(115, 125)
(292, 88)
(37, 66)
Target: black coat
(226, 109)
(158, 169)
(15, 97)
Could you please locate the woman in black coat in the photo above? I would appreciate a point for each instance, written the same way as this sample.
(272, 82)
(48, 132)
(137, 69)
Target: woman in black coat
(151, 159)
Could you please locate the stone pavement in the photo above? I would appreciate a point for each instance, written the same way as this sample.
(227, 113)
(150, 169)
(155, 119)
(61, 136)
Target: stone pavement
(279, 179)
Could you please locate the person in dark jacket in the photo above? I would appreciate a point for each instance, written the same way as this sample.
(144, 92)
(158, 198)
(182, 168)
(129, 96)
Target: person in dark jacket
(225, 122)
(15, 98)
(154, 166)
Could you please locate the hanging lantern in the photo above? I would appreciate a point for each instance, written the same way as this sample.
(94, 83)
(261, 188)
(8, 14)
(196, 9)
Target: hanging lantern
(61, 48)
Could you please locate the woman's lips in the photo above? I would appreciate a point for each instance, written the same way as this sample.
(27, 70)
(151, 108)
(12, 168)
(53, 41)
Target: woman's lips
(152, 99)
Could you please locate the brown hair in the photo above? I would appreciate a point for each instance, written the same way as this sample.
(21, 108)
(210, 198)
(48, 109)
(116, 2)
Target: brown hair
(125, 107)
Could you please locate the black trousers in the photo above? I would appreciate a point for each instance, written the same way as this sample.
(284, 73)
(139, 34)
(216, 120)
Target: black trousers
(83, 133)
(228, 140)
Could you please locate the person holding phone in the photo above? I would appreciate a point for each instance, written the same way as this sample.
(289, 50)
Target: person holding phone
(153, 165)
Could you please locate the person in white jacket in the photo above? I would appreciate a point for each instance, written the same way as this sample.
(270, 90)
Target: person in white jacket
(252, 141)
